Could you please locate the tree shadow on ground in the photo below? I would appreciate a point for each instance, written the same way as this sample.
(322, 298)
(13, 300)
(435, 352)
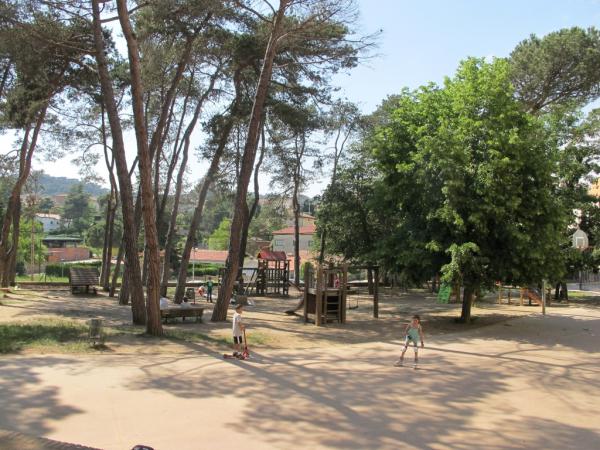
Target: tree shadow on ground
(26, 405)
(305, 400)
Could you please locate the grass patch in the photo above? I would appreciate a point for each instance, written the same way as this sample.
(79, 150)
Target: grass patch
(254, 338)
(44, 335)
(190, 336)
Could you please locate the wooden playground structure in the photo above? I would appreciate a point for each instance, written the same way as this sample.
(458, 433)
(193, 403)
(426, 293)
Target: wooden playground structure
(326, 291)
(271, 277)
(525, 294)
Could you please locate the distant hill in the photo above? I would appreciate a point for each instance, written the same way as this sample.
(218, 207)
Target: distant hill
(61, 185)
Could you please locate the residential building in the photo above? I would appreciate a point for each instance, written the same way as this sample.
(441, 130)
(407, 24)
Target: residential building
(283, 240)
(50, 222)
(64, 248)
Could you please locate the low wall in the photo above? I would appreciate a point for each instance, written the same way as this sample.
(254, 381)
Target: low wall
(56, 255)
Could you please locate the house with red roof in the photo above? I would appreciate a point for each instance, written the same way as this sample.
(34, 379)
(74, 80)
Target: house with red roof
(283, 240)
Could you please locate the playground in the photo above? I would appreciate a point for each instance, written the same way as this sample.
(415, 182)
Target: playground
(512, 379)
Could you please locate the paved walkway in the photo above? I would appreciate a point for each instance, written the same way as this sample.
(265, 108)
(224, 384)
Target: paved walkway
(533, 382)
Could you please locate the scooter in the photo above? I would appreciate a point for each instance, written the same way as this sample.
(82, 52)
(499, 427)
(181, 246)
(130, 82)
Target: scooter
(244, 355)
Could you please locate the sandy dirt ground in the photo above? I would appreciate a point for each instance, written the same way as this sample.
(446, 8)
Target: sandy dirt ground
(514, 379)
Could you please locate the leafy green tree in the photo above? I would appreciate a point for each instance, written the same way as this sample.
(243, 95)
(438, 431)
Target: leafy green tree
(219, 239)
(270, 216)
(464, 182)
(46, 204)
(77, 211)
(24, 252)
(562, 67)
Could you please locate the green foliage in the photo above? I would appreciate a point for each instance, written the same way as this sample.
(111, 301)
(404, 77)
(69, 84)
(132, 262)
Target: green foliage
(58, 270)
(562, 67)
(24, 252)
(77, 212)
(94, 235)
(270, 216)
(203, 269)
(45, 205)
(457, 179)
(219, 239)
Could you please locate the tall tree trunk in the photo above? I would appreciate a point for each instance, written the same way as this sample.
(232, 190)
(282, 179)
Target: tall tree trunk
(12, 261)
(9, 245)
(105, 272)
(129, 226)
(252, 212)
(467, 302)
(339, 149)
(115, 275)
(109, 248)
(189, 242)
(170, 240)
(233, 259)
(296, 208)
(124, 290)
(153, 321)
(206, 183)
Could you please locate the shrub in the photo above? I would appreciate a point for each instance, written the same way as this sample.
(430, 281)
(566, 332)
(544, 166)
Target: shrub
(57, 270)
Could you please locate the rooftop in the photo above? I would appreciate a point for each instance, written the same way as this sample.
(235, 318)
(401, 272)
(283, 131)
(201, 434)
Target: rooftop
(308, 229)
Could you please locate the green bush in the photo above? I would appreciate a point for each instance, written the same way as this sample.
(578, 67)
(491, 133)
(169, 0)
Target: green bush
(57, 270)
(203, 270)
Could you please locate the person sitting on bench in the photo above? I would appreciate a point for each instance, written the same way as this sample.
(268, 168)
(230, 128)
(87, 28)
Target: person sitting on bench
(164, 303)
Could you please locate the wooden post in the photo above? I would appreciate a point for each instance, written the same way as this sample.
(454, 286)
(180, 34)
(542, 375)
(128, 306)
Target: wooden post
(521, 295)
(376, 294)
(544, 297)
(307, 275)
(343, 287)
(499, 293)
(319, 297)
(509, 296)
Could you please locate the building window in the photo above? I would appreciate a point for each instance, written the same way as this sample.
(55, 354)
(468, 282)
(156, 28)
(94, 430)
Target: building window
(579, 242)
(278, 243)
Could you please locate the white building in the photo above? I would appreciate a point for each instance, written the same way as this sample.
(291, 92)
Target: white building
(50, 222)
(283, 240)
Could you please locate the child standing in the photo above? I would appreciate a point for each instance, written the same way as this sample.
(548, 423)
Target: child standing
(413, 333)
(238, 329)
(209, 288)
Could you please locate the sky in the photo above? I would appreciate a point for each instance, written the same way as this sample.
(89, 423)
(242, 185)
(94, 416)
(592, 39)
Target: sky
(424, 41)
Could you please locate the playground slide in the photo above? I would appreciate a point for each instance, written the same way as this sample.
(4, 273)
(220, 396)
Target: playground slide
(299, 306)
(532, 295)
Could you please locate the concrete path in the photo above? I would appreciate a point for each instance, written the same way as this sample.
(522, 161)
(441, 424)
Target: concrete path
(533, 382)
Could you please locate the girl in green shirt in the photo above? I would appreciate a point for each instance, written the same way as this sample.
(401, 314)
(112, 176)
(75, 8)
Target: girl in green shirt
(413, 334)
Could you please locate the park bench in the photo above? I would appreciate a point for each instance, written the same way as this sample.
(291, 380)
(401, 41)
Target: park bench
(83, 278)
(173, 313)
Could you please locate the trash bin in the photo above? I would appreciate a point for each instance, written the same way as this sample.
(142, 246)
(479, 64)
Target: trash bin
(96, 332)
(190, 293)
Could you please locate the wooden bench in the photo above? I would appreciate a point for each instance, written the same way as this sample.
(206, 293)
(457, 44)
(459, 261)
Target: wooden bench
(174, 312)
(83, 278)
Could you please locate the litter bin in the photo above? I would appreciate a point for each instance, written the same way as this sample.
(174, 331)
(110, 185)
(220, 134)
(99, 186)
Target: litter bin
(190, 293)
(96, 333)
